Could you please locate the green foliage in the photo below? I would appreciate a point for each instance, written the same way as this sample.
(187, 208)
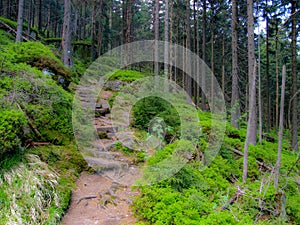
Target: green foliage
(125, 75)
(11, 130)
(195, 195)
(147, 109)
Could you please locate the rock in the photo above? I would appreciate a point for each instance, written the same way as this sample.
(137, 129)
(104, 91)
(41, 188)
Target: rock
(110, 129)
(114, 85)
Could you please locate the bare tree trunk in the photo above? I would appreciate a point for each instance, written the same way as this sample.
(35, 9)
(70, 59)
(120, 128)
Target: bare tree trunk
(235, 99)
(198, 53)
(188, 46)
(259, 94)
(66, 35)
(251, 74)
(294, 79)
(223, 64)
(93, 51)
(251, 128)
(280, 134)
(277, 83)
(203, 55)
(171, 40)
(268, 105)
(40, 15)
(166, 50)
(156, 35)
(20, 21)
(100, 29)
(250, 122)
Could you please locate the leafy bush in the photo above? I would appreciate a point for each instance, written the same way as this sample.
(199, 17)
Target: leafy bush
(126, 75)
(145, 110)
(11, 130)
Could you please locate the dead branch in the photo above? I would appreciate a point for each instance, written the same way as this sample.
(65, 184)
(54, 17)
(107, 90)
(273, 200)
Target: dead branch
(86, 197)
(269, 168)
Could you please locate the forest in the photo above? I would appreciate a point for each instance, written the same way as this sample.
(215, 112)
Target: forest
(149, 112)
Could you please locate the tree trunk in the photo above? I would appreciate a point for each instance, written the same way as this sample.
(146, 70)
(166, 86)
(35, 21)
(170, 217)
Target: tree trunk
(294, 79)
(268, 105)
(235, 99)
(20, 21)
(280, 134)
(251, 128)
(66, 35)
(40, 15)
(100, 29)
(171, 40)
(259, 94)
(251, 74)
(166, 50)
(250, 123)
(93, 51)
(203, 56)
(156, 35)
(188, 46)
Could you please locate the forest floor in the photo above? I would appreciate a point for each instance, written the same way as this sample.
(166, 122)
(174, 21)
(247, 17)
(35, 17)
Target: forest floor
(104, 197)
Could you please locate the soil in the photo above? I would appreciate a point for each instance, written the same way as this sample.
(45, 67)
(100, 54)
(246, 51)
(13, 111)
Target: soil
(104, 197)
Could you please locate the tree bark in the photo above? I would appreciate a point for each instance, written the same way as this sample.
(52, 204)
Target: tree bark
(280, 134)
(235, 99)
(259, 94)
(294, 79)
(156, 35)
(268, 105)
(250, 124)
(66, 35)
(20, 21)
(166, 50)
(93, 51)
(203, 56)
(99, 43)
(251, 72)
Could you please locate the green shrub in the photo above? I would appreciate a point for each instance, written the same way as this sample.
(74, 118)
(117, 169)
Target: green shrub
(11, 130)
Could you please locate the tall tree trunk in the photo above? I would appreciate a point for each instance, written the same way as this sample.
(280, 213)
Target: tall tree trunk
(171, 40)
(100, 29)
(166, 50)
(251, 74)
(251, 128)
(203, 56)
(40, 15)
(259, 94)
(280, 134)
(198, 53)
(268, 105)
(235, 99)
(188, 46)
(277, 82)
(66, 35)
(223, 64)
(156, 35)
(93, 51)
(294, 79)
(20, 21)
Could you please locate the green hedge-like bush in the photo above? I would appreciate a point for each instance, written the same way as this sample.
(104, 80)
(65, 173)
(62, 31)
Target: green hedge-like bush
(11, 130)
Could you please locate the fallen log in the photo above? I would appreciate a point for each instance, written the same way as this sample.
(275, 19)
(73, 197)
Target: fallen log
(267, 167)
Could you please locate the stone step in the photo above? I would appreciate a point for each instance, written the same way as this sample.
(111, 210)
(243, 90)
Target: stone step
(104, 146)
(101, 164)
(111, 129)
(110, 135)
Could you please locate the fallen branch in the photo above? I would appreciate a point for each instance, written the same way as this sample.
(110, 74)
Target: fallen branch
(257, 161)
(13, 30)
(236, 195)
(86, 197)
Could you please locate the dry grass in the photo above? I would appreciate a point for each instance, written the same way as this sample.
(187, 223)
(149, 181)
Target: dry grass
(30, 191)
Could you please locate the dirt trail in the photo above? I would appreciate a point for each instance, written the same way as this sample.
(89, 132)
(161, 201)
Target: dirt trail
(104, 197)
